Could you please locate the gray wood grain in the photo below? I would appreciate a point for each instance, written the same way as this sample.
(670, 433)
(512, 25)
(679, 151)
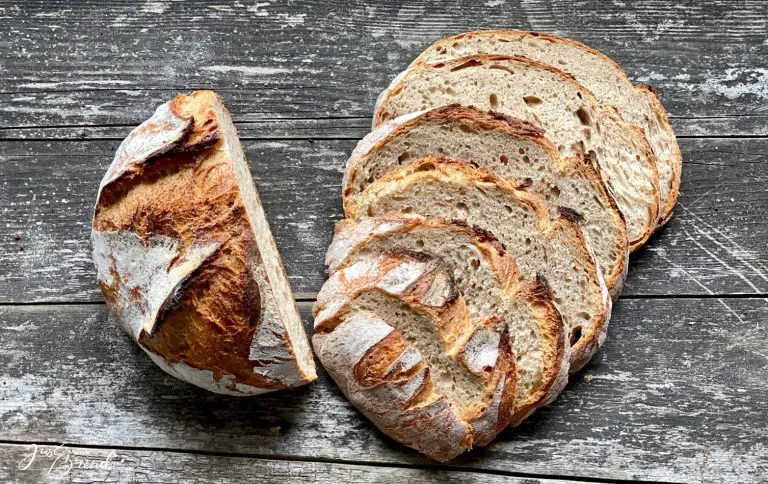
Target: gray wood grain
(677, 394)
(109, 62)
(714, 244)
(72, 464)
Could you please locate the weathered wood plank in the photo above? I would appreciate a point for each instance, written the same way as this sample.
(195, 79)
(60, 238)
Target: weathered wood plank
(714, 245)
(353, 128)
(677, 394)
(319, 58)
(49, 463)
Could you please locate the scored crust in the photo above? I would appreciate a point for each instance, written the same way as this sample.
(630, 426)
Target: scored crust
(354, 240)
(507, 42)
(179, 263)
(454, 175)
(614, 269)
(386, 368)
(641, 209)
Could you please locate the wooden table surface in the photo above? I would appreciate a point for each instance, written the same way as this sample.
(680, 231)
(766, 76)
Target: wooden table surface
(679, 393)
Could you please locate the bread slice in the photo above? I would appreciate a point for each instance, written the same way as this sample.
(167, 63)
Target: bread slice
(603, 77)
(185, 258)
(396, 336)
(442, 187)
(513, 150)
(572, 117)
(487, 279)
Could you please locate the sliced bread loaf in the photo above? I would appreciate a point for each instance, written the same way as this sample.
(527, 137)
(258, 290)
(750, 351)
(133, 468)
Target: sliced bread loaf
(396, 336)
(513, 150)
(595, 71)
(487, 278)
(441, 187)
(571, 115)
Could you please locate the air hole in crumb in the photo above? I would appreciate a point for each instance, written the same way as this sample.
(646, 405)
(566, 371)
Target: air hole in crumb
(584, 116)
(575, 335)
(532, 100)
(504, 160)
(407, 210)
(403, 158)
(508, 208)
(475, 263)
(466, 129)
(494, 100)
(462, 210)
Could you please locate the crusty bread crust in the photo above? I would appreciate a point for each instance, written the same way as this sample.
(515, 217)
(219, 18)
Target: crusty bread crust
(675, 159)
(581, 168)
(177, 260)
(364, 366)
(647, 157)
(351, 238)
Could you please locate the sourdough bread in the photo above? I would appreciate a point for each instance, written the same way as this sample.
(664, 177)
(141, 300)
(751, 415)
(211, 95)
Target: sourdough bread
(513, 150)
(441, 187)
(185, 258)
(396, 336)
(604, 78)
(572, 117)
(487, 279)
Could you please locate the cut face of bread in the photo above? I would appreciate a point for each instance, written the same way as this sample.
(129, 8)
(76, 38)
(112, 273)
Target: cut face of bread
(486, 277)
(440, 187)
(571, 116)
(396, 336)
(186, 260)
(603, 77)
(512, 150)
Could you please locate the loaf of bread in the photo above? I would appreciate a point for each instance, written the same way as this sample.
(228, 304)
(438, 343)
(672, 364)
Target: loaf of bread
(638, 105)
(440, 187)
(185, 258)
(571, 116)
(492, 207)
(511, 149)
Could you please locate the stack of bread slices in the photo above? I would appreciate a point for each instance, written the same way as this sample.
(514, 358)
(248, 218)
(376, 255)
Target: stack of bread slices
(490, 216)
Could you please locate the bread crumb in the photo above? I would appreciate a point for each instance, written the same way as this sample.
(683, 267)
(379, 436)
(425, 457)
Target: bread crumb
(588, 378)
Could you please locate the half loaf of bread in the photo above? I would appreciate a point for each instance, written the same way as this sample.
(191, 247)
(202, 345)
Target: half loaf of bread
(185, 258)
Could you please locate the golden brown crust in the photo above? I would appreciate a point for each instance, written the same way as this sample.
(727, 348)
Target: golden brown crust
(190, 194)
